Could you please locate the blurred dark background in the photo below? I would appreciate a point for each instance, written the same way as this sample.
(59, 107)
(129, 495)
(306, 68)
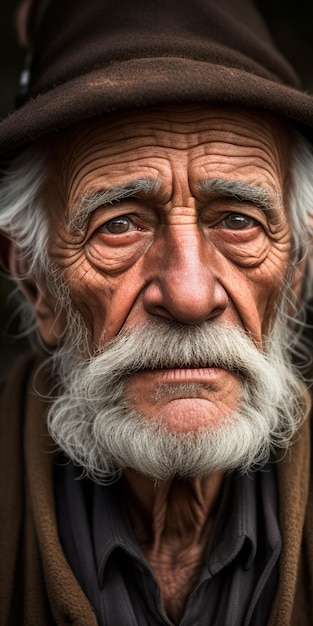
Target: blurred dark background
(291, 24)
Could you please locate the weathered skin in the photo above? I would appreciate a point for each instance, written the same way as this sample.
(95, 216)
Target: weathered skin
(180, 258)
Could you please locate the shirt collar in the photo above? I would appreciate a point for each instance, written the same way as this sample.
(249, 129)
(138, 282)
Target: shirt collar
(110, 529)
(246, 522)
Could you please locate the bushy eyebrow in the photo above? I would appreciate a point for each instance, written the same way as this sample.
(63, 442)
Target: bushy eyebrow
(263, 197)
(92, 200)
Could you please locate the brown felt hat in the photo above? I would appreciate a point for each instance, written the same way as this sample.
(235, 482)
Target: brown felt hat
(92, 57)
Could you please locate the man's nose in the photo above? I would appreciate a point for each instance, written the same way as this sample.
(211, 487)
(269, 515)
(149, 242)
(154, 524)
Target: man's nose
(183, 285)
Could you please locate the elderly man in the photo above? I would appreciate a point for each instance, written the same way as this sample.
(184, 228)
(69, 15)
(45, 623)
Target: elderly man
(155, 214)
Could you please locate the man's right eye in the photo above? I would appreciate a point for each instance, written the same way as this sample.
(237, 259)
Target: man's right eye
(118, 225)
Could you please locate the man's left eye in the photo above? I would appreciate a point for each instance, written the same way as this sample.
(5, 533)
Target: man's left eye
(237, 221)
(117, 225)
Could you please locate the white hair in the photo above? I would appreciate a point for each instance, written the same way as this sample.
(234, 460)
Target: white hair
(23, 218)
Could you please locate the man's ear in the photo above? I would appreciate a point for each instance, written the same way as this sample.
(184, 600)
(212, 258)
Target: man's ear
(48, 320)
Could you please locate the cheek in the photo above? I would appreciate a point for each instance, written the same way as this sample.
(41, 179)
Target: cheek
(105, 282)
(252, 267)
(92, 296)
(255, 292)
(104, 301)
(268, 285)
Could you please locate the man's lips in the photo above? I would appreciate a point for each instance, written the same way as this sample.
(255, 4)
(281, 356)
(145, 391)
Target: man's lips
(184, 374)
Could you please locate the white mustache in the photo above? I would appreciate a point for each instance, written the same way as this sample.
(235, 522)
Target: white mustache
(170, 345)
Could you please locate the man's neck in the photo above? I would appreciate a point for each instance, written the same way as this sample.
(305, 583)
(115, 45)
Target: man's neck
(172, 521)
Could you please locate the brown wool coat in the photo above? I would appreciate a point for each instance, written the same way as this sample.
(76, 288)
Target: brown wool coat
(37, 587)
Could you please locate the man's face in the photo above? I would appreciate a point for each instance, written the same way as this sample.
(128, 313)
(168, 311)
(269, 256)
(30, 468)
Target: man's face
(173, 215)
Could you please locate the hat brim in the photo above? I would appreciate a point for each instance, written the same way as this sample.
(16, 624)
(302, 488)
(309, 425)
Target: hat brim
(141, 83)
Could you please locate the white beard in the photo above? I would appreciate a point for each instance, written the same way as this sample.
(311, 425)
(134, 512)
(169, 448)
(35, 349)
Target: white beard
(93, 423)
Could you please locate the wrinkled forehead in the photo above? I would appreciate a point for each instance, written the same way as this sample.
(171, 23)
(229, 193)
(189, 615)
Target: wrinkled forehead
(182, 119)
(129, 135)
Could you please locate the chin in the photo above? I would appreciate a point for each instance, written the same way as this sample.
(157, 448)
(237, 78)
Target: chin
(188, 415)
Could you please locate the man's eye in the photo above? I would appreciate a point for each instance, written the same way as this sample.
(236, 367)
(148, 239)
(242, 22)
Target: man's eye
(237, 221)
(117, 225)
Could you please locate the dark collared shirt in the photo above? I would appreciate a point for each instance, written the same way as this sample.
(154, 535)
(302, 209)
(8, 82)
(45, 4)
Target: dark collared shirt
(238, 579)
